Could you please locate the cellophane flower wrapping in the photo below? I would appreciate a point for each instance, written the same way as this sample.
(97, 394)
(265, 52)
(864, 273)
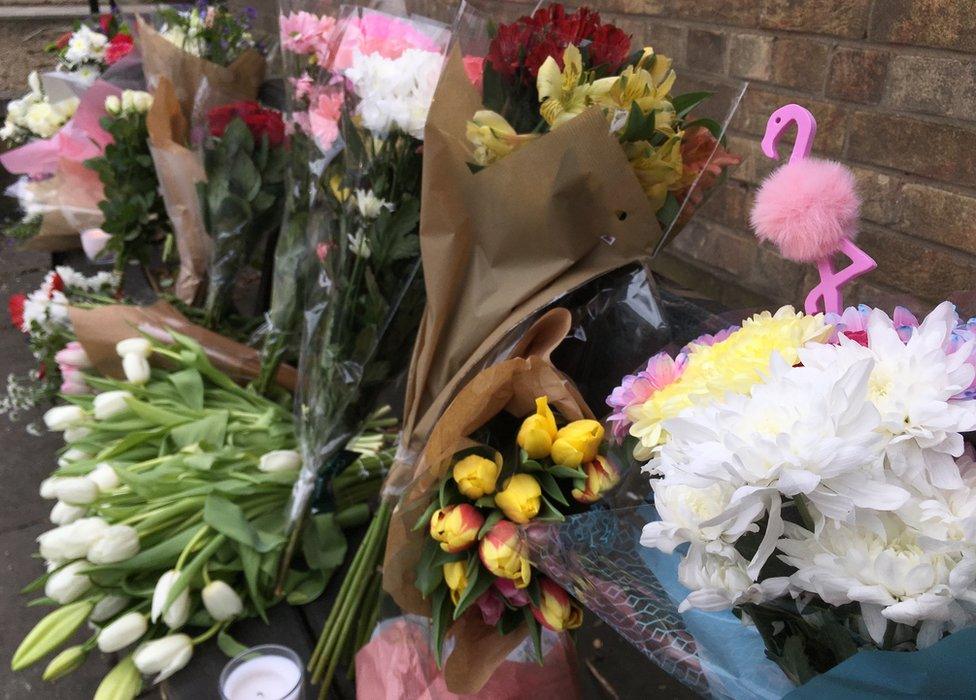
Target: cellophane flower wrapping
(366, 293)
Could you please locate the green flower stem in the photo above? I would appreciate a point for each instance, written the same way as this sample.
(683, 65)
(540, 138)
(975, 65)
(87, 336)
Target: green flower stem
(178, 508)
(194, 541)
(214, 629)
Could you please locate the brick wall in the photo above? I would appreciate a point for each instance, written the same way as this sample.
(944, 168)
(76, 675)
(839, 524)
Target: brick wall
(892, 84)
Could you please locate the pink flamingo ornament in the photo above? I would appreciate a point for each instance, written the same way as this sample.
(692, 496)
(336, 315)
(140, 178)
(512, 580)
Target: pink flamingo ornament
(809, 208)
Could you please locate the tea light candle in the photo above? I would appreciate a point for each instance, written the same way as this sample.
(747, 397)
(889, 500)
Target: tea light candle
(267, 672)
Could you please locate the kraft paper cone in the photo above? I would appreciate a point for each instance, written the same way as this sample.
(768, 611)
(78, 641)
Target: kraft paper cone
(99, 330)
(512, 386)
(501, 244)
(178, 170)
(199, 84)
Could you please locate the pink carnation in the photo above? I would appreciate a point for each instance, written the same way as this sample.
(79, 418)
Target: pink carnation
(376, 33)
(304, 32)
(323, 118)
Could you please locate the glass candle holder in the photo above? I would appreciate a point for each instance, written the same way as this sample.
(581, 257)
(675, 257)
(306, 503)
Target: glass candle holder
(265, 672)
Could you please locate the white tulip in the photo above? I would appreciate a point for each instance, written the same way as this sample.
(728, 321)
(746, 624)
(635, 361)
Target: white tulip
(65, 513)
(122, 632)
(107, 607)
(117, 543)
(72, 454)
(127, 100)
(60, 418)
(164, 656)
(280, 461)
(71, 541)
(113, 105)
(179, 610)
(134, 346)
(108, 403)
(104, 477)
(136, 368)
(48, 487)
(68, 584)
(76, 490)
(75, 433)
(142, 101)
(221, 601)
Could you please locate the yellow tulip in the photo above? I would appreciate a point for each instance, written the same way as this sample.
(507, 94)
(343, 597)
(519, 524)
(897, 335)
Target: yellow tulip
(456, 527)
(577, 442)
(476, 476)
(456, 578)
(503, 553)
(520, 498)
(601, 476)
(538, 430)
(556, 610)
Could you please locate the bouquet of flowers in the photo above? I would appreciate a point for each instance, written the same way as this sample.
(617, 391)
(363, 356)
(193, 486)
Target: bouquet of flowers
(169, 508)
(86, 51)
(35, 115)
(242, 197)
(208, 30)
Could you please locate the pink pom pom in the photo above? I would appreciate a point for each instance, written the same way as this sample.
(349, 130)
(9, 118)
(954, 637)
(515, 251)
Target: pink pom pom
(807, 208)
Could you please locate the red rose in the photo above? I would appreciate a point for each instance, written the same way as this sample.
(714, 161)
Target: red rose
(119, 47)
(609, 48)
(259, 121)
(15, 305)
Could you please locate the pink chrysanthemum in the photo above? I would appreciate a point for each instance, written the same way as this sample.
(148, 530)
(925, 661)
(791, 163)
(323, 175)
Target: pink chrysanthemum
(634, 389)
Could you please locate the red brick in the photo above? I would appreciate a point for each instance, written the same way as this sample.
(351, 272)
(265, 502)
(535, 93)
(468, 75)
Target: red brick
(879, 194)
(730, 205)
(759, 103)
(706, 50)
(800, 64)
(932, 149)
(938, 215)
(864, 291)
(742, 13)
(932, 85)
(940, 23)
(667, 39)
(843, 18)
(734, 253)
(857, 75)
(755, 166)
(777, 278)
(751, 56)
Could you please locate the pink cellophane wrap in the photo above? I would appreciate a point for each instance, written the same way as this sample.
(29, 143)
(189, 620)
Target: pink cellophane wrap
(398, 663)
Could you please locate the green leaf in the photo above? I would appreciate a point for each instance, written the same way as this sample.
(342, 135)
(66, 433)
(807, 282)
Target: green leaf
(230, 646)
(485, 502)
(188, 572)
(562, 472)
(251, 562)
(323, 543)
(713, 126)
(490, 522)
(479, 581)
(155, 414)
(535, 631)
(189, 385)
(310, 588)
(227, 518)
(639, 126)
(424, 520)
(551, 488)
(161, 556)
(440, 619)
(683, 104)
(52, 631)
(210, 430)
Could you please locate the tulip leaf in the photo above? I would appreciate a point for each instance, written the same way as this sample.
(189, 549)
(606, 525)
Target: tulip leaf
(563, 472)
(228, 518)
(551, 488)
(440, 619)
(548, 513)
(485, 502)
(52, 631)
(479, 581)
(510, 621)
(535, 631)
(448, 492)
(210, 430)
(310, 588)
(193, 568)
(227, 644)
(490, 522)
(38, 602)
(189, 386)
(530, 465)
(128, 442)
(154, 414)
(251, 561)
(430, 569)
(323, 543)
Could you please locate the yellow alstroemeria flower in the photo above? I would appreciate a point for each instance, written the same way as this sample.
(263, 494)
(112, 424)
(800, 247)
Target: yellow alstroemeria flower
(568, 92)
(493, 137)
(657, 169)
(647, 84)
(338, 191)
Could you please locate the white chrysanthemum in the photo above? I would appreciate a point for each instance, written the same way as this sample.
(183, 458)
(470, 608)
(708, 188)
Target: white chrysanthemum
(912, 385)
(47, 310)
(85, 46)
(947, 515)
(76, 280)
(395, 93)
(718, 582)
(890, 570)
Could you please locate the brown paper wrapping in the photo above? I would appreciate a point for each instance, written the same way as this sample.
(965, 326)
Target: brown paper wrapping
(178, 170)
(101, 328)
(512, 386)
(199, 84)
(502, 243)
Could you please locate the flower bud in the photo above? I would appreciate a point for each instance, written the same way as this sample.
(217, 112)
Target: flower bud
(538, 431)
(520, 498)
(93, 242)
(73, 383)
(113, 105)
(164, 656)
(123, 681)
(117, 543)
(456, 578)
(73, 354)
(516, 597)
(72, 454)
(492, 607)
(504, 554)
(221, 601)
(601, 476)
(109, 403)
(280, 461)
(476, 476)
(75, 433)
(60, 418)
(456, 527)
(126, 101)
(104, 477)
(136, 369)
(108, 607)
(142, 101)
(71, 541)
(556, 610)
(48, 488)
(134, 346)
(76, 490)
(122, 632)
(178, 611)
(67, 584)
(64, 663)
(577, 443)
(65, 513)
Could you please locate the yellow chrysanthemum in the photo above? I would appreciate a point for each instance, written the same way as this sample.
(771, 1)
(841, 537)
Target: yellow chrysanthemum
(731, 366)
